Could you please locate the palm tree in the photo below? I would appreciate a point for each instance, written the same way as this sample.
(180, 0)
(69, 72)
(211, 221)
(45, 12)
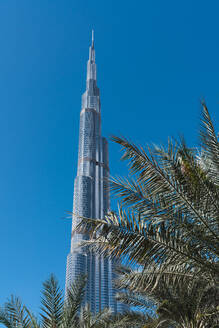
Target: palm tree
(184, 304)
(106, 319)
(15, 314)
(55, 313)
(168, 220)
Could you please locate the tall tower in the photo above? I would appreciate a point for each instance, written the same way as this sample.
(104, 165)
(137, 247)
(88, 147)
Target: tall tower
(91, 198)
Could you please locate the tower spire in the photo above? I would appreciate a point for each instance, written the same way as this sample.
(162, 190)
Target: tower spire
(92, 39)
(91, 49)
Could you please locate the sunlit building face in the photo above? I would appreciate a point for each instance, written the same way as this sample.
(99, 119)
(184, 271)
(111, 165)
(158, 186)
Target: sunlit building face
(91, 199)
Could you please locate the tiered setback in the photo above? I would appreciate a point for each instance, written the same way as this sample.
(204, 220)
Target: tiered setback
(91, 199)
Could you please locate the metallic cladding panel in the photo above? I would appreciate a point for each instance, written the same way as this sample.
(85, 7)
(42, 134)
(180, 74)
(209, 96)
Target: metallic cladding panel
(91, 199)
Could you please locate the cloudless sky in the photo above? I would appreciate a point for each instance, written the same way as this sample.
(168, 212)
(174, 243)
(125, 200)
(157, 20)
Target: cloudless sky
(156, 60)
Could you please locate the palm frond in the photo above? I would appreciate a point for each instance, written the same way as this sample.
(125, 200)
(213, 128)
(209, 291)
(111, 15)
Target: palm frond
(181, 301)
(165, 180)
(131, 319)
(35, 323)
(14, 314)
(147, 244)
(210, 145)
(101, 318)
(136, 299)
(73, 302)
(52, 303)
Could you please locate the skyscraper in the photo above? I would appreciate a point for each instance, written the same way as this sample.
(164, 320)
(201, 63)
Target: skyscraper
(91, 198)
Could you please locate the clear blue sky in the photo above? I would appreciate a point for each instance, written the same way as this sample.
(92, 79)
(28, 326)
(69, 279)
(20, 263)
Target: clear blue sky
(156, 60)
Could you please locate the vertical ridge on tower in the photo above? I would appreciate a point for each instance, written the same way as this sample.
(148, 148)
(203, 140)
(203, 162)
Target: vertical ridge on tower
(91, 198)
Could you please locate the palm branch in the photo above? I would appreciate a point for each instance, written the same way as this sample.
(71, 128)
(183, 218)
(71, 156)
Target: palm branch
(73, 302)
(14, 314)
(186, 303)
(210, 147)
(52, 303)
(131, 319)
(89, 320)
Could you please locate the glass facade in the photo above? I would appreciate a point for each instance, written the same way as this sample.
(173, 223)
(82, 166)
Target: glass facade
(91, 199)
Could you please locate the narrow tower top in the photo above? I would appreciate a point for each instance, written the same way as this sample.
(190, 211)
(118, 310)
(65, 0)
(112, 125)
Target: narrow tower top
(92, 39)
(91, 97)
(91, 50)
